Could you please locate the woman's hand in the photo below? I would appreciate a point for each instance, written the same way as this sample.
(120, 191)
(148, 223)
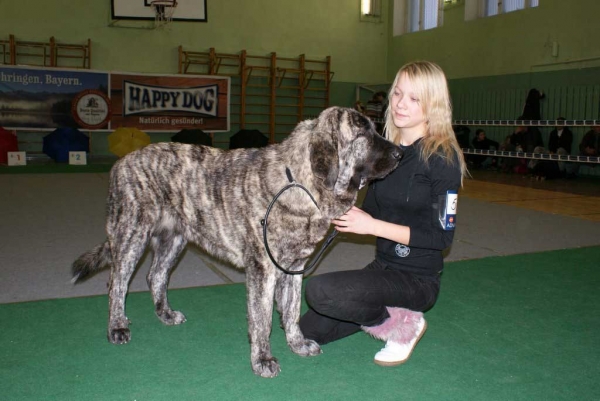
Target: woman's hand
(354, 221)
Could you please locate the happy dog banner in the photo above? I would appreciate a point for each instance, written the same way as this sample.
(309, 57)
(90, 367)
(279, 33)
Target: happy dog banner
(168, 102)
(39, 98)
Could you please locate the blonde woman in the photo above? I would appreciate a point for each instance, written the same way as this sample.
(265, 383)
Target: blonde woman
(410, 213)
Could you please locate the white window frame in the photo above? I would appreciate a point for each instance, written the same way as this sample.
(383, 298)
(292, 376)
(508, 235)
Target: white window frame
(504, 6)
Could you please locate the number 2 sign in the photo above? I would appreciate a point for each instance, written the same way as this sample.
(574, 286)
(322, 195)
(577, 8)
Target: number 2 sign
(77, 158)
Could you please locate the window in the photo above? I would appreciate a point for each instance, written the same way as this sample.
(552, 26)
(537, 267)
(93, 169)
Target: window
(424, 14)
(417, 15)
(370, 10)
(495, 7)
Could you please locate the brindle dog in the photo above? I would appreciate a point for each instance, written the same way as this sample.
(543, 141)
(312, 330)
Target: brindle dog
(169, 194)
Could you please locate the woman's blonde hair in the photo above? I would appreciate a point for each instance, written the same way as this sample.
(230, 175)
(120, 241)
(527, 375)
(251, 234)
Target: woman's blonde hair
(431, 88)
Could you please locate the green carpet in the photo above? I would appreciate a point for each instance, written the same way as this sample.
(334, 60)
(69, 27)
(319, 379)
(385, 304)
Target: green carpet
(519, 327)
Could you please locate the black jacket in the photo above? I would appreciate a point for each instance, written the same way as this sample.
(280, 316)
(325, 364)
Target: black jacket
(409, 196)
(486, 144)
(565, 141)
(590, 140)
(528, 139)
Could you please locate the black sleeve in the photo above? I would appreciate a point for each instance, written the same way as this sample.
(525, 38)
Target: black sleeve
(587, 141)
(431, 235)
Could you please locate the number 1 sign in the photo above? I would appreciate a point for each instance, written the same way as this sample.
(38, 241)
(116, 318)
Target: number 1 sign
(16, 159)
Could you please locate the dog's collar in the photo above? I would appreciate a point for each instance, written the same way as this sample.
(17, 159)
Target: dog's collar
(264, 223)
(292, 184)
(289, 175)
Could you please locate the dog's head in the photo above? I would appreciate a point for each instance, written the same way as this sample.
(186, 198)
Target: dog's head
(347, 152)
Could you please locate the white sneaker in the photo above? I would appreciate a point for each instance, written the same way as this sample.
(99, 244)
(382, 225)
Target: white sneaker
(397, 353)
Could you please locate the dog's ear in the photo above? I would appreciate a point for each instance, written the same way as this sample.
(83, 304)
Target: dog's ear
(324, 157)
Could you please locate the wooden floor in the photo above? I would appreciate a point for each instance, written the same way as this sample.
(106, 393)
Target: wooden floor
(577, 198)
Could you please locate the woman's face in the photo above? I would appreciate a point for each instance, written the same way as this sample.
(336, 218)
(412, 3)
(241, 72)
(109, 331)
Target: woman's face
(406, 106)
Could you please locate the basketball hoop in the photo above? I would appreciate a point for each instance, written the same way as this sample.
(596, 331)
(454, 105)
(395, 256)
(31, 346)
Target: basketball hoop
(163, 11)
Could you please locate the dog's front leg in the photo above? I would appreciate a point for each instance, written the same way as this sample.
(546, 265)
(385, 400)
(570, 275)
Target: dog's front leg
(288, 294)
(260, 284)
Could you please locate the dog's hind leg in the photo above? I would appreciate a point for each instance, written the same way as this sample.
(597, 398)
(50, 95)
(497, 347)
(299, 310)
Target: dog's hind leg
(126, 248)
(288, 293)
(167, 248)
(260, 290)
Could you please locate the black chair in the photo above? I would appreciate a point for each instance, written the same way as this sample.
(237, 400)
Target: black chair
(192, 136)
(248, 138)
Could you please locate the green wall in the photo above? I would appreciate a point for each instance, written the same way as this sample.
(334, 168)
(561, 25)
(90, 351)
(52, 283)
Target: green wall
(512, 43)
(491, 62)
(316, 28)
(362, 52)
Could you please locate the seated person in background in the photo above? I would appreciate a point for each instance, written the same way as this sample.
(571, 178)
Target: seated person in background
(482, 143)
(589, 146)
(532, 139)
(358, 106)
(375, 109)
(529, 140)
(462, 133)
(516, 141)
(560, 141)
(507, 164)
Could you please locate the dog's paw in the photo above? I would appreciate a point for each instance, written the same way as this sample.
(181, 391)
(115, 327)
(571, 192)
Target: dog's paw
(305, 347)
(171, 317)
(266, 367)
(119, 336)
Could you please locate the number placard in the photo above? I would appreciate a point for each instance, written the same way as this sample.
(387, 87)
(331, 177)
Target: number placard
(77, 158)
(17, 158)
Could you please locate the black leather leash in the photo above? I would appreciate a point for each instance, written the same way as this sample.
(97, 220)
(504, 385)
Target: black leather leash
(264, 223)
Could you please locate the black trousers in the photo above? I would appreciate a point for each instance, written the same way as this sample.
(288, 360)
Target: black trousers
(340, 302)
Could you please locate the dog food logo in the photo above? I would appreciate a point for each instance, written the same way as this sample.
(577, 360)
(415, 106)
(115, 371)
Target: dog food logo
(91, 109)
(138, 99)
(402, 250)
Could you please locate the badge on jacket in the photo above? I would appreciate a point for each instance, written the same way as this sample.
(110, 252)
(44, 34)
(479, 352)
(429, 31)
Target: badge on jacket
(447, 210)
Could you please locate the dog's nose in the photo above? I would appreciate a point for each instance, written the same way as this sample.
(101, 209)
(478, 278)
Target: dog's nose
(397, 153)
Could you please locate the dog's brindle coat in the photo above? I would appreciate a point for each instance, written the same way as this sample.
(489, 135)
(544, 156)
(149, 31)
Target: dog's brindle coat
(169, 194)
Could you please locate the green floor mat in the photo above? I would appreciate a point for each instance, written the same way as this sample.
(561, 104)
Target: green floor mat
(519, 327)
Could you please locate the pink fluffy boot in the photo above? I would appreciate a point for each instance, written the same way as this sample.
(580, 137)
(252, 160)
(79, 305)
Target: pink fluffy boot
(401, 331)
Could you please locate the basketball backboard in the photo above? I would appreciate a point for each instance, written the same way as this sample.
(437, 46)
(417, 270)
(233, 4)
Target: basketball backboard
(187, 10)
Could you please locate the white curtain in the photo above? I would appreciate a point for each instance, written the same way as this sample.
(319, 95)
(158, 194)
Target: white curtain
(423, 14)
(414, 15)
(513, 5)
(430, 14)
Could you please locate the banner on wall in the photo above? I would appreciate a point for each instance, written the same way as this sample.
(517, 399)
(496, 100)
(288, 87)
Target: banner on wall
(169, 103)
(36, 98)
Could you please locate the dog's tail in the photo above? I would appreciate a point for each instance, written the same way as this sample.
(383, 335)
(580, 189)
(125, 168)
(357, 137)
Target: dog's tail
(91, 262)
